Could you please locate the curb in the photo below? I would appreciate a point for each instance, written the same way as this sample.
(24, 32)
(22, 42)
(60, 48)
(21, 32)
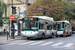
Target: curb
(3, 43)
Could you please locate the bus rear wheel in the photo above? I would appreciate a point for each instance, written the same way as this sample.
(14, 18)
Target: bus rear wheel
(28, 37)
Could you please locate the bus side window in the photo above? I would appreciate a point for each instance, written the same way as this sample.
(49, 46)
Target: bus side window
(63, 24)
(36, 24)
(48, 27)
(40, 26)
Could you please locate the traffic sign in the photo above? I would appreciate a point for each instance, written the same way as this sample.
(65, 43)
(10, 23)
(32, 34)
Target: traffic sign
(11, 17)
(22, 13)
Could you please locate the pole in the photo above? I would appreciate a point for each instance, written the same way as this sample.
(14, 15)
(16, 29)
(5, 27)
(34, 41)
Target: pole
(7, 35)
(12, 24)
(12, 7)
(7, 31)
(18, 21)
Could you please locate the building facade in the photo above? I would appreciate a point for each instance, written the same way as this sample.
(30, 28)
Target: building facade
(22, 4)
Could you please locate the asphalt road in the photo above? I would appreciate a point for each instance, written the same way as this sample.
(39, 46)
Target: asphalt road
(59, 43)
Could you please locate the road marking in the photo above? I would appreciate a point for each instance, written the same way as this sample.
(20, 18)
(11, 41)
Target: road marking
(46, 43)
(36, 43)
(26, 42)
(57, 44)
(11, 44)
(68, 45)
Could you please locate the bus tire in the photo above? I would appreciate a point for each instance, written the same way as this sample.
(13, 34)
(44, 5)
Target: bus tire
(43, 36)
(56, 35)
(28, 37)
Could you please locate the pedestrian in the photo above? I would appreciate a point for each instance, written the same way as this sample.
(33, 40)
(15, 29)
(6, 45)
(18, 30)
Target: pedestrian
(4, 30)
(7, 31)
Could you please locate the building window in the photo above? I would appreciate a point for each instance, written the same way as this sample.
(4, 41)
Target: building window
(27, 1)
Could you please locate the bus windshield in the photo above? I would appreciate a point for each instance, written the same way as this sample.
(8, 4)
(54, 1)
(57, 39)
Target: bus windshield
(60, 25)
(30, 25)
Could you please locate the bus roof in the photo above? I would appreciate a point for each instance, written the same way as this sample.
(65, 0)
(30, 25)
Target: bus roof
(44, 17)
(66, 21)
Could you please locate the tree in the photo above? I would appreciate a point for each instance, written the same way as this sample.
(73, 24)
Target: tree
(3, 9)
(58, 9)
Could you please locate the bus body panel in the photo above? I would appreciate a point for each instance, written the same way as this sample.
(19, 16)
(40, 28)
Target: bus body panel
(30, 34)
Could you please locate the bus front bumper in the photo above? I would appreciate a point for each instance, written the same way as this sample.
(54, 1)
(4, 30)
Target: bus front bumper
(59, 32)
(36, 35)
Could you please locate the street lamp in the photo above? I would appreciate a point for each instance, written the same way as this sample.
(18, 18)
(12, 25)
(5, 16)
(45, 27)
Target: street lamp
(18, 20)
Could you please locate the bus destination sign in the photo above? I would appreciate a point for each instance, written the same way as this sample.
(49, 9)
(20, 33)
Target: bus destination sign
(59, 23)
(30, 19)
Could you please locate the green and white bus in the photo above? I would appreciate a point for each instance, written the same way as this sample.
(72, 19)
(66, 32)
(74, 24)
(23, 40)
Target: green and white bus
(38, 27)
(64, 28)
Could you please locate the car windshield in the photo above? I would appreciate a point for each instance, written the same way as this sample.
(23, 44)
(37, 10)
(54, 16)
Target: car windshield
(30, 25)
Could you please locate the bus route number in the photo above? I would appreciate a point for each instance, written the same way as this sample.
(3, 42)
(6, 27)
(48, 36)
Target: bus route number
(30, 18)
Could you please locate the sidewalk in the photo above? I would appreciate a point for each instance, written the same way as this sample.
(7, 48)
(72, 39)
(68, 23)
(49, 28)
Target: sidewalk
(3, 39)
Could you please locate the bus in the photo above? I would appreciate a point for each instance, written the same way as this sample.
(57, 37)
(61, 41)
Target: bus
(38, 27)
(73, 29)
(64, 28)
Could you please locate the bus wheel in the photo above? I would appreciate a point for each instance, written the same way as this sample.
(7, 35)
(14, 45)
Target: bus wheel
(43, 36)
(56, 35)
(28, 38)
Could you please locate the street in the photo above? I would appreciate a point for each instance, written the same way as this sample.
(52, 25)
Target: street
(59, 43)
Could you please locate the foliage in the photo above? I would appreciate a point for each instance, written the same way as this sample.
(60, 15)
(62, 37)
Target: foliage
(3, 9)
(3, 34)
(7, 19)
(58, 9)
